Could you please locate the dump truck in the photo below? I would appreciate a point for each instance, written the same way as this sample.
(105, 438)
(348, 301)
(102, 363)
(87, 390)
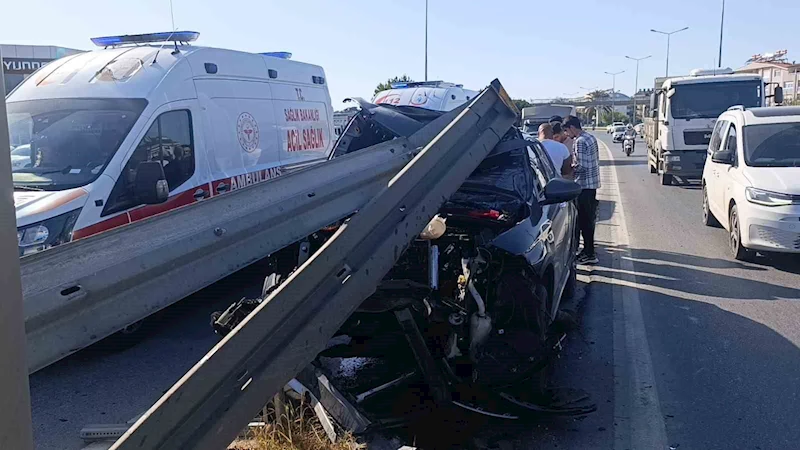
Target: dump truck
(682, 114)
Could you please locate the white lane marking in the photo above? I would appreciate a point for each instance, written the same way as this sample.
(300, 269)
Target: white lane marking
(639, 423)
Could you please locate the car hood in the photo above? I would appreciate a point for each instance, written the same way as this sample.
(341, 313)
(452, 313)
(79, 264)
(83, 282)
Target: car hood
(783, 180)
(35, 206)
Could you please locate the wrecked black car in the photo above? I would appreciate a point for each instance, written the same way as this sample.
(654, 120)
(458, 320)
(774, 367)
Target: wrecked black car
(469, 315)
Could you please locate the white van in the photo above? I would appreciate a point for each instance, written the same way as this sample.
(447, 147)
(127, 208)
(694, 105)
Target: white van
(105, 138)
(434, 95)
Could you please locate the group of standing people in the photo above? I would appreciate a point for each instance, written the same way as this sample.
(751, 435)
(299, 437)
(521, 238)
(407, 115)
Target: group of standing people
(575, 153)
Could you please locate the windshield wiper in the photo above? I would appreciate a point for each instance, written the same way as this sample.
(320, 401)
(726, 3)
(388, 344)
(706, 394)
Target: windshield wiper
(63, 170)
(23, 187)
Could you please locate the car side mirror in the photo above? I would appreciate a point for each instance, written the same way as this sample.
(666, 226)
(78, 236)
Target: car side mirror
(150, 185)
(722, 157)
(559, 190)
(778, 95)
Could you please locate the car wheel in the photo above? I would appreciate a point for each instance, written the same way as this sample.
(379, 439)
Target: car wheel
(666, 179)
(708, 217)
(738, 251)
(127, 337)
(571, 285)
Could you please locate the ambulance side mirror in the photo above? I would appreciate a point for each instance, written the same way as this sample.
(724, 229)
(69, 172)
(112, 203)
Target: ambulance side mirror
(150, 185)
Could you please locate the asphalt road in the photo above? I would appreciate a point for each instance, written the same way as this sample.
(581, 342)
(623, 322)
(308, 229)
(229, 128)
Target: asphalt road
(680, 346)
(723, 336)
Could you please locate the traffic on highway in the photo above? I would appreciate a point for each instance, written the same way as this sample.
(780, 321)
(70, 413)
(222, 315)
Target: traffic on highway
(206, 246)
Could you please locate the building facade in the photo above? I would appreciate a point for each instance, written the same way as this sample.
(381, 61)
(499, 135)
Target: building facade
(781, 74)
(20, 61)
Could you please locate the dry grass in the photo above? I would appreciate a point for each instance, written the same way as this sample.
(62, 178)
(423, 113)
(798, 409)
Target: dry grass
(298, 429)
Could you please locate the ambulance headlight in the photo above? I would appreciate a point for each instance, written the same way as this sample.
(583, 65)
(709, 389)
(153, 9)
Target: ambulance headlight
(47, 233)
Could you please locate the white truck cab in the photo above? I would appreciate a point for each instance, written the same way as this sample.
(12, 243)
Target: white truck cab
(751, 181)
(149, 124)
(434, 95)
(684, 110)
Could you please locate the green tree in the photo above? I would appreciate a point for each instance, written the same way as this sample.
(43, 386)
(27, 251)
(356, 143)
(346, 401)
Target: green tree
(520, 103)
(606, 118)
(594, 110)
(388, 84)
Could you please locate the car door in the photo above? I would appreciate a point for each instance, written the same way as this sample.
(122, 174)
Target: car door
(725, 175)
(712, 169)
(558, 224)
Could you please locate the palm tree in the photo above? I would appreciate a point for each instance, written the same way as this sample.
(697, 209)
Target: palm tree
(594, 110)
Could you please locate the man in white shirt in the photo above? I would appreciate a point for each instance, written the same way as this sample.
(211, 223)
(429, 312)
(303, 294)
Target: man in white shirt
(558, 152)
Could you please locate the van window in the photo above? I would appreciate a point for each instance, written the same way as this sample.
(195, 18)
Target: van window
(716, 136)
(169, 141)
(730, 144)
(59, 144)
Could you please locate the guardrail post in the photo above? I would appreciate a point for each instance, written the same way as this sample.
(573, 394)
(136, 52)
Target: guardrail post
(15, 402)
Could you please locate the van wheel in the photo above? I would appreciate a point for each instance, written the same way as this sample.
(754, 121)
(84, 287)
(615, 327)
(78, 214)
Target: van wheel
(708, 217)
(666, 179)
(738, 251)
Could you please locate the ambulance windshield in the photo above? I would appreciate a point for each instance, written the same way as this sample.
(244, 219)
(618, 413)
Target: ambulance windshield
(60, 144)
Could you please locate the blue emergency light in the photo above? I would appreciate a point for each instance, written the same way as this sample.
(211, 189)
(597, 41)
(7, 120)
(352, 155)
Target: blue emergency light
(281, 55)
(409, 84)
(167, 36)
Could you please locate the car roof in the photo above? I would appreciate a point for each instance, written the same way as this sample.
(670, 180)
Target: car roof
(764, 115)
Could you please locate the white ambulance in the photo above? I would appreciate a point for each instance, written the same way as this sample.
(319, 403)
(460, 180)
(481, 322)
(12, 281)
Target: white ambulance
(150, 123)
(434, 95)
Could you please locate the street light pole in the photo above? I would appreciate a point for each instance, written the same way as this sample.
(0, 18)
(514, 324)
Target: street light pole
(721, 25)
(668, 34)
(613, 90)
(636, 84)
(426, 40)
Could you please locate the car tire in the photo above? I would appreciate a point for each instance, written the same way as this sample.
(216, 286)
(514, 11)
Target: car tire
(708, 217)
(738, 251)
(666, 179)
(128, 337)
(571, 284)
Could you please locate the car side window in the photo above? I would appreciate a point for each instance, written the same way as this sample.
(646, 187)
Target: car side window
(550, 171)
(168, 141)
(716, 137)
(540, 176)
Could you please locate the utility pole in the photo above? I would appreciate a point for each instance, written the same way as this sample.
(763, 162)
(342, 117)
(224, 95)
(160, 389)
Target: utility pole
(613, 90)
(636, 85)
(15, 402)
(668, 34)
(721, 25)
(426, 40)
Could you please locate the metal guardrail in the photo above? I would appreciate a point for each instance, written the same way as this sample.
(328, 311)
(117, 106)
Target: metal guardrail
(208, 407)
(83, 291)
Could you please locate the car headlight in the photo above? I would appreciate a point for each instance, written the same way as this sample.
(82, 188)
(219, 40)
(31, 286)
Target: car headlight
(673, 158)
(767, 198)
(47, 233)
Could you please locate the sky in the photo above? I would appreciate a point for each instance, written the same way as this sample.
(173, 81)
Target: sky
(537, 49)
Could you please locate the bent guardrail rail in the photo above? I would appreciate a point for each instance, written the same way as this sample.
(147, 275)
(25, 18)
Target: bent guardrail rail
(208, 407)
(81, 292)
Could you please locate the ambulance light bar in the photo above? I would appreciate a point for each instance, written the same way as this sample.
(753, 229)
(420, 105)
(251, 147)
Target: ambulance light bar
(282, 55)
(167, 36)
(434, 84)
